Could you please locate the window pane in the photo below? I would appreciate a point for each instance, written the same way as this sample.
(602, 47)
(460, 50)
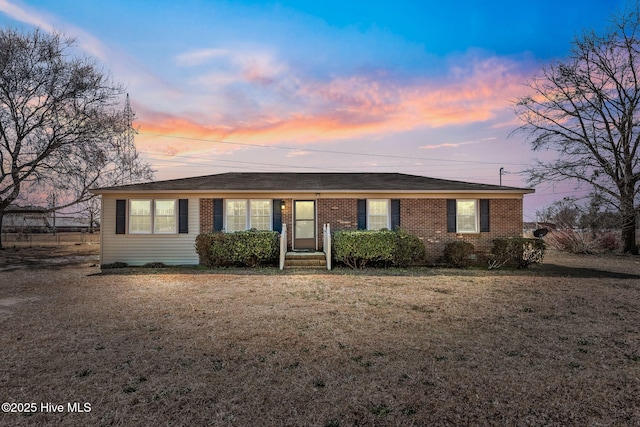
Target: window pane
(165, 207)
(237, 207)
(304, 229)
(261, 223)
(305, 210)
(378, 207)
(164, 217)
(378, 211)
(236, 223)
(141, 207)
(236, 215)
(466, 216)
(140, 216)
(261, 214)
(165, 224)
(378, 223)
(140, 224)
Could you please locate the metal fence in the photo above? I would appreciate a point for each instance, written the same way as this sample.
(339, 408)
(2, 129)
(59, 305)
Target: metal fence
(48, 239)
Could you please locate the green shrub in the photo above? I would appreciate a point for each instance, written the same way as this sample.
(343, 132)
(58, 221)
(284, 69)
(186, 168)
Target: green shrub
(154, 264)
(458, 253)
(358, 249)
(116, 264)
(410, 249)
(517, 251)
(204, 243)
(242, 248)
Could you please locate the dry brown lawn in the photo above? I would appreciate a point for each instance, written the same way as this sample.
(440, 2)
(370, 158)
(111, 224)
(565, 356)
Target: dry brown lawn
(556, 345)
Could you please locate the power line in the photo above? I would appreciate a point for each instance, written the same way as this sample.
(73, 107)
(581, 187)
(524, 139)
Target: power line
(316, 150)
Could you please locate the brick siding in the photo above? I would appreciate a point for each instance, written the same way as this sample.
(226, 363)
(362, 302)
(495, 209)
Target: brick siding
(426, 218)
(206, 215)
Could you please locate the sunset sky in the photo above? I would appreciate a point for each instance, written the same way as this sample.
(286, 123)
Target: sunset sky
(417, 87)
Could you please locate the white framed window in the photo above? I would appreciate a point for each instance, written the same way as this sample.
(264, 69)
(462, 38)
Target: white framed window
(378, 213)
(467, 216)
(260, 214)
(164, 216)
(140, 216)
(148, 216)
(236, 215)
(246, 214)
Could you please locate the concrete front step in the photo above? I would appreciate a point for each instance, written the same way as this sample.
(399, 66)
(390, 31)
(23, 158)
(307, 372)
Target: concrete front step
(305, 260)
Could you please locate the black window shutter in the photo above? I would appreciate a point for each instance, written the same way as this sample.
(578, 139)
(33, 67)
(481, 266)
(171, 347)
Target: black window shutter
(277, 215)
(121, 216)
(395, 213)
(362, 214)
(218, 215)
(484, 214)
(451, 215)
(183, 216)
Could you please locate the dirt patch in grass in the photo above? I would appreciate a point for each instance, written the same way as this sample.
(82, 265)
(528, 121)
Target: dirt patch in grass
(559, 345)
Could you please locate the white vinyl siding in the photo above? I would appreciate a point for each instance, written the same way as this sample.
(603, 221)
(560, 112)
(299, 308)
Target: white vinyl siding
(243, 215)
(467, 216)
(139, 249)
(378, 214)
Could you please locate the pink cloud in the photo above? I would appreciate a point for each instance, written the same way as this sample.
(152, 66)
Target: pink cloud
(455, 144)
(341, 108)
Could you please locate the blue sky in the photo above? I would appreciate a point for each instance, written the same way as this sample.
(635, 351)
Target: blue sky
(390, 86)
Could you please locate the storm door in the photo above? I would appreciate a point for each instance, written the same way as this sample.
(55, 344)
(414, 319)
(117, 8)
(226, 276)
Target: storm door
(304, 224)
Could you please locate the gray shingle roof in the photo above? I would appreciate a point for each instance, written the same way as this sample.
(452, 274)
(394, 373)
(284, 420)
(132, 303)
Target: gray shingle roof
(314, 182)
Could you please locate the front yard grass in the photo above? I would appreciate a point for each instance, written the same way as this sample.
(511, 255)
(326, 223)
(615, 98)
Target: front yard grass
(556, 345)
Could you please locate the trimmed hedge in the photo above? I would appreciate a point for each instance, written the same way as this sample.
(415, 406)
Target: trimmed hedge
(458, 253)
(242, 248)
(410, 249)
(517, 251)
(358, 249)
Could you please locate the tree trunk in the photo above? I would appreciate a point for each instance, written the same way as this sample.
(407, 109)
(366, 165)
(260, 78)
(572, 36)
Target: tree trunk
(629, 233)
(1, 216)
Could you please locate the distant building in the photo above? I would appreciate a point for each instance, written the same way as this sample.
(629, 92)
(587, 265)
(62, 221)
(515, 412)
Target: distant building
(31, 219)
(34, 219)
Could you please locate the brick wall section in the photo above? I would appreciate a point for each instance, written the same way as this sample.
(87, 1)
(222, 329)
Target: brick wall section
(287, 217)
(427, 218)
(206, 215)
(341, 214)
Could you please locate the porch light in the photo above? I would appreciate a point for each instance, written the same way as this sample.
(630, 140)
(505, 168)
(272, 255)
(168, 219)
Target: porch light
(282, 205)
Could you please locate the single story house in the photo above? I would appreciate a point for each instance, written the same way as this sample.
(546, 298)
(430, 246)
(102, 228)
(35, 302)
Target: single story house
(159, 221)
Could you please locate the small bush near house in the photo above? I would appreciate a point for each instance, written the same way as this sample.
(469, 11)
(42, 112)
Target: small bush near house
(242, 248)
(517, 251)
(154, 265)
(116, 264)
(458, 254)
(359, 248)
(410, 249)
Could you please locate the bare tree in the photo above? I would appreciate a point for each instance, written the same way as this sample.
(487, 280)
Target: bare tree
(61, 129)
(564, 213)
(587, 109)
